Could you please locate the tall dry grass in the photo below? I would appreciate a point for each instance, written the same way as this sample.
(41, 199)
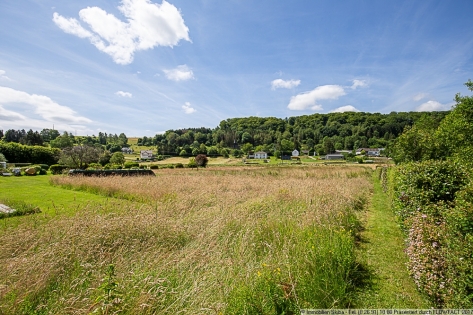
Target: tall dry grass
(215, 241)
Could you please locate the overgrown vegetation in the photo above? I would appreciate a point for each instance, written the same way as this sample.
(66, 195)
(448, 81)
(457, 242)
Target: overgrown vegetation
(432, 199)
(232, 240)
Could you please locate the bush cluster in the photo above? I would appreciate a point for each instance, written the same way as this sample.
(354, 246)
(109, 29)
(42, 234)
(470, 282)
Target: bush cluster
(18, 153)
(57, 169)
(434, 201)
(130, 164)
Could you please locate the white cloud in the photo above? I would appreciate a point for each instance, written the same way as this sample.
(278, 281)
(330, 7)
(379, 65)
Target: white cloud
(289, 84)
(419, 96)
(123, 94)
(188, 109)
(148, 25)
(8, 115)
(309, 99)
(3, 76)
(347, 108)
(358, 83)
(431, 106)
(181, 73)
(43, 105)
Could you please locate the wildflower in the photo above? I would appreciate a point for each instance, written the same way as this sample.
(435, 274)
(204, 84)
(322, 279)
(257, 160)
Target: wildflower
(259, 274)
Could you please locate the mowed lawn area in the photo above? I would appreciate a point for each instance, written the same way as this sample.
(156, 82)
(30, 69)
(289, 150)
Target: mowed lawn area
(222, 240)
(52, 200)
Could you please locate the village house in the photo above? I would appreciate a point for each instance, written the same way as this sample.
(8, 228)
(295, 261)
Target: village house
(335, 156)
(261, 155)
(369, 151)
(146, 154)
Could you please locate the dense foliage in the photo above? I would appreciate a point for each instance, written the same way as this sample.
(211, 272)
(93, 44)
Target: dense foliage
(19, 153)
(80, 156)
(323, 133)
(432, 197)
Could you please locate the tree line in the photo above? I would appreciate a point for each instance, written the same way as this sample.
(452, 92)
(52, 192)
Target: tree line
(319, 133)
(322, 133)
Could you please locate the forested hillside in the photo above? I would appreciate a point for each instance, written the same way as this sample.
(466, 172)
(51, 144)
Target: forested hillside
(320, 133)
(323, 133)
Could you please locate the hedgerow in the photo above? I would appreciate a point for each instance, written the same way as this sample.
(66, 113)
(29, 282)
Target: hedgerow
(18, 153)
(434, 202)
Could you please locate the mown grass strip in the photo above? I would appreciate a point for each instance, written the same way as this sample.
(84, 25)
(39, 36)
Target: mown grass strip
(37, 191)
(382, 250)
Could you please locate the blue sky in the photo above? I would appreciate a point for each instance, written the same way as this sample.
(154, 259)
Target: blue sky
(142, 67)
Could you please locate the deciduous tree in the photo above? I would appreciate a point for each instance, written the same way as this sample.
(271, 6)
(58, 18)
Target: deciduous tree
(79, 156)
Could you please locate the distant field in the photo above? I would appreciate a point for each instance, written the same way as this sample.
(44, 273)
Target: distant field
(223, 240)
(132, 141)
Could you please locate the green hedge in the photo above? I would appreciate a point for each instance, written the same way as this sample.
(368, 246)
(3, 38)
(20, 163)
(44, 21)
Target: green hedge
(57, 169)
(18, 153)
(434, 201)
(130, 164)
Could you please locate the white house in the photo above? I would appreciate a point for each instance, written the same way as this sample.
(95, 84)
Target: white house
(295, 153)
(146, 154)
(261, 155)
(369, 151)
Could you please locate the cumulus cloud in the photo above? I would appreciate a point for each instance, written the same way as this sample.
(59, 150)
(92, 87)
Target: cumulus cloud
(347, 108)
(358, 83)
(3, 76)
(43, 106)
(431, 106)
(123, 94)
(419, 96)
(148, 25)
(281, 84)
(309, 99)
(181, 73)
(188, 109)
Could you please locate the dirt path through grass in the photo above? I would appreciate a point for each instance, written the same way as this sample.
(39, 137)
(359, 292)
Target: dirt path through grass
(382, 251)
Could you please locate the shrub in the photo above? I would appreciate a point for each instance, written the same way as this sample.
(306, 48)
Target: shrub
(419, 184)
(179, 165)
(192, 163)
(154, 166)
(94, 166)
(433, 200)
(167, 166)
(201, 160)
(57, 169)
(130, 164)
(18, 153)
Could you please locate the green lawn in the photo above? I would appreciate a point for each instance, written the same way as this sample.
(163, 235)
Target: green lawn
(37, 191)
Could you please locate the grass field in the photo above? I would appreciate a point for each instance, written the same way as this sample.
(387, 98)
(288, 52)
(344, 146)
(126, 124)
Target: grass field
(223, 240)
